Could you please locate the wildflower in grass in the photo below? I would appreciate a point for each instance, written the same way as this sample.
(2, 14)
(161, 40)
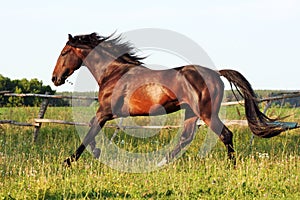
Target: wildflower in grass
(263, 155)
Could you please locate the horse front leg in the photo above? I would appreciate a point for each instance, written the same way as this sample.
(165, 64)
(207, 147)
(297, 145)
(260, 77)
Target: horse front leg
(96, 126)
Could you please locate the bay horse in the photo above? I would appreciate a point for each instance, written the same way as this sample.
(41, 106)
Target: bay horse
(128, 88)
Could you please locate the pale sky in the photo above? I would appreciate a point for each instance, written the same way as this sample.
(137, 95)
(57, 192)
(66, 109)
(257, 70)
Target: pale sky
(259, 38)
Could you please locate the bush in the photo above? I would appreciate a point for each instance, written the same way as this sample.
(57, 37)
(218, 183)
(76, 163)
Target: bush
(22, 86)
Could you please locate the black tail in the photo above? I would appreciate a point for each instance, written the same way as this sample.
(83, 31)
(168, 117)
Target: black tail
(259, 123)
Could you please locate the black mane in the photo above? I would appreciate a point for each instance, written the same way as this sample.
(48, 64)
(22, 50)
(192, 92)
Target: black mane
(123, 51)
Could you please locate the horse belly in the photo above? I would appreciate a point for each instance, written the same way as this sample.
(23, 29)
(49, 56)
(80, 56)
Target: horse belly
(152, 99)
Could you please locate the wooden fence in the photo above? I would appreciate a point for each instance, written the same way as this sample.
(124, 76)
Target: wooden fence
(43, 108)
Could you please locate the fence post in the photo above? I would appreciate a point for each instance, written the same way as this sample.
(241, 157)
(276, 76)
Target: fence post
(41, 114)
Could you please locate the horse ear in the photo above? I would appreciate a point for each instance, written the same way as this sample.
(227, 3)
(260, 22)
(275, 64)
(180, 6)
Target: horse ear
(70, 37)
(94, 34)
(71, 40)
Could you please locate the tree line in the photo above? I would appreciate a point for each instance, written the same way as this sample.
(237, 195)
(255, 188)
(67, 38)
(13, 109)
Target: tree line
(25, 86)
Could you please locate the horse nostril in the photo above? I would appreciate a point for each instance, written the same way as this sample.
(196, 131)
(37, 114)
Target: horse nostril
(53, 78)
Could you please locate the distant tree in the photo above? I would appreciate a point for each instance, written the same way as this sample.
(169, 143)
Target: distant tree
(22, 86)
(16, 101)
(5, 83)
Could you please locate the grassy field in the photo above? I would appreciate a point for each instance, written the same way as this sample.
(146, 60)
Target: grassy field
(270, 169)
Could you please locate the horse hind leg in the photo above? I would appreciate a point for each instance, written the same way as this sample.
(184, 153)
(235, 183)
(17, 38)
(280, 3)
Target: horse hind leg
(210, 106)
(215, 124)
(186, 136)
(225, 135)
(96, 151)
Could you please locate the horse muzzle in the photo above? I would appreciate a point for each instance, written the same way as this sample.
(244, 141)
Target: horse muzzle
(58, 80)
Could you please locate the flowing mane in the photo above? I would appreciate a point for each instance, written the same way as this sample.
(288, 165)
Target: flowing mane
(123, 51)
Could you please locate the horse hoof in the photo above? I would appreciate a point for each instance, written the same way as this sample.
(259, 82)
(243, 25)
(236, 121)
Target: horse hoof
(96, 153)
(67, 162)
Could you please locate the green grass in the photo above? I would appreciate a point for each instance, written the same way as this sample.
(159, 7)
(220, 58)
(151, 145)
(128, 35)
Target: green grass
(270, 169)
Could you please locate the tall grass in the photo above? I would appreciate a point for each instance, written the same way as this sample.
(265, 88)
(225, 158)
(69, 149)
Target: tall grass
(269, 169)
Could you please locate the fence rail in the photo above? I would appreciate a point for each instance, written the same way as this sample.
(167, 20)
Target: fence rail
(40, 120)
(279, 97)
(50, 96)
(15, 123)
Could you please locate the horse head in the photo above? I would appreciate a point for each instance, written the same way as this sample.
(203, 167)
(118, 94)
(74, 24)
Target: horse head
(69, 60)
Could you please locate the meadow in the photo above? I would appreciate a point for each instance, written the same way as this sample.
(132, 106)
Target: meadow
(268, 169)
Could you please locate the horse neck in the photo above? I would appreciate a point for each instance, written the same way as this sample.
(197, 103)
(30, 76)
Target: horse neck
(105, 67)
